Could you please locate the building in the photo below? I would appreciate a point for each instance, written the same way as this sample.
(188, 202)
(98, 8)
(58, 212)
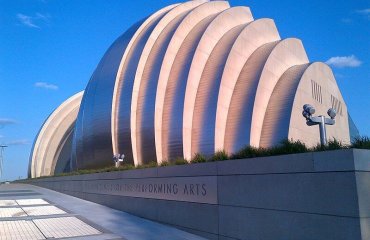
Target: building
(194, 77)
(51, 150)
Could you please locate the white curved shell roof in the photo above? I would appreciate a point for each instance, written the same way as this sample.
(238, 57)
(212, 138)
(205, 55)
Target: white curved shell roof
(52, 136)
(200, 76)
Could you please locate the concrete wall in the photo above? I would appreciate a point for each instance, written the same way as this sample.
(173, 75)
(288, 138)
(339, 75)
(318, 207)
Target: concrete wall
(321, 195)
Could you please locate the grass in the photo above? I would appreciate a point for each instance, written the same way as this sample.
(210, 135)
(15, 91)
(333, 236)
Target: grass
(148, 165)
(332, 145)
(180, 161)
(285, 147)
(289, 147)
(251, 152)
(198, 158)
(220, 156)
(165, 164)
(361, 143)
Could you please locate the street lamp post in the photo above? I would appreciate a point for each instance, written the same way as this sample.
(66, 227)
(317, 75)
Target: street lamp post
(2, 147)
(322, 121)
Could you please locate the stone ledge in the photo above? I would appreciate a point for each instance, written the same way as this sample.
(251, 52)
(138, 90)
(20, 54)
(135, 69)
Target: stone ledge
(324, 195)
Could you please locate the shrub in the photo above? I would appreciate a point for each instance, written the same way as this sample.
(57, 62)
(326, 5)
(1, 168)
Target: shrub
(125, 167)
(147, 165)
(88, 171)
(333, 144)
(361, 142)
(289, 147)
(220, 156)
(251, 152)
(164, 164)
(198, 158)
(61, 174)
(180, 161)
(151, 164)
(285, 147)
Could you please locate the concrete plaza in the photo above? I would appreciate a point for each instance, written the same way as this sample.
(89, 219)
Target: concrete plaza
(30, 212)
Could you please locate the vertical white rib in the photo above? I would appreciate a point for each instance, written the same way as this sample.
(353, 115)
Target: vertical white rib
(122, 71)
(165, 88)
(287, 53)
(216, 30)
(254, 35)
(140, 98)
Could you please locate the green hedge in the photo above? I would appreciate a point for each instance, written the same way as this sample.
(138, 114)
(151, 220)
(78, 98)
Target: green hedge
(285, 147)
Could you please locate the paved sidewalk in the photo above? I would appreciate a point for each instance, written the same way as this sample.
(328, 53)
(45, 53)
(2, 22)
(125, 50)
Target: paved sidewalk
(30, 212)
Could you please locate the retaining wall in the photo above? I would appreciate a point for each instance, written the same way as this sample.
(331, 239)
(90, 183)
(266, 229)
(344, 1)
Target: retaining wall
(324, 195)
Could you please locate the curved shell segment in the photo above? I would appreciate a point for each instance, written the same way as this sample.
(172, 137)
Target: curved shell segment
(223, 23)
(146, 80)
(173, 77)
(122, 93)
(53, 137)
(253, 36)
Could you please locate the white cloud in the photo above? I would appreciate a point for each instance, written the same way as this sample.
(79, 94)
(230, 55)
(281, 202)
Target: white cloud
(34, 21)
(46, 85)
(338, 75)
(18, 142)
(346, 20)
(364, 11)
(6, 121)
(27, 20)
(43, 17)
(341, 62)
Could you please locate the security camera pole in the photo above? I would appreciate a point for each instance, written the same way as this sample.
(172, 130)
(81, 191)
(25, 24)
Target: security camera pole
(322, 121)
(118, 159)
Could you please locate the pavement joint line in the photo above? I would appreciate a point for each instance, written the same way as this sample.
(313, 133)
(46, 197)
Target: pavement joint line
(92, 237)
(17, 191)
(37, 217)
(94, 225)
(84, 230)
(39, 229)
(7, 195)
(32, 221)
(39, 205)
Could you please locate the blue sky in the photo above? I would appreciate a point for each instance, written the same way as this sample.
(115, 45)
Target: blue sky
(49, 49)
